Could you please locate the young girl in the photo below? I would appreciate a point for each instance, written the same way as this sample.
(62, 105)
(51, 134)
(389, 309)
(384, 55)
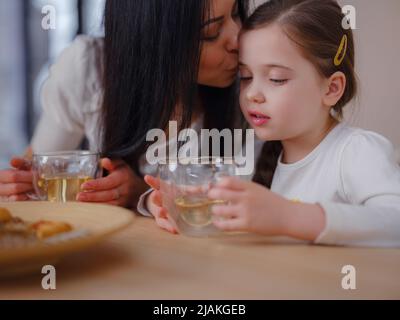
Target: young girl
(318, 179)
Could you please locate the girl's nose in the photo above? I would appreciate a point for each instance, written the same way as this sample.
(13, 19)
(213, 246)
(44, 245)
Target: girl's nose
(254, 95)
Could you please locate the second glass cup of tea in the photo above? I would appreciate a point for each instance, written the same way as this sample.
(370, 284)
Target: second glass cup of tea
(184, 187)
(58, 176)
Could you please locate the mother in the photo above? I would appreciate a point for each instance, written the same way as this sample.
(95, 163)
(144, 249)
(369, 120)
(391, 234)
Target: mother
(159, 61)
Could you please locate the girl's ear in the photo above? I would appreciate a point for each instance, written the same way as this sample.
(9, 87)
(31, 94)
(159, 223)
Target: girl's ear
(335, 87)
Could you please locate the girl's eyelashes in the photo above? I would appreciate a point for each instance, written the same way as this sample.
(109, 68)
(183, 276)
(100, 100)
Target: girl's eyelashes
(279, 81)
(275, 81)
(245, 78)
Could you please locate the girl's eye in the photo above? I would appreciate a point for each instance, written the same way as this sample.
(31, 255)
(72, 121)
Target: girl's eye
(245, 78)
(279, 81)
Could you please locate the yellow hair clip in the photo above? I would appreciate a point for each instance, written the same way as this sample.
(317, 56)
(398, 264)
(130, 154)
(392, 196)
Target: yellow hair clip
(341, 53)
(296, 200)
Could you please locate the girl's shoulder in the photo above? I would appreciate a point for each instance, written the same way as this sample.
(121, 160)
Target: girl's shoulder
(356, 140)
(367, 165)
(364, 152)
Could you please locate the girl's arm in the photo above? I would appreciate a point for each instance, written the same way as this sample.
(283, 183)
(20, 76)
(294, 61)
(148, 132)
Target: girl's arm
(370, 186)
(304, 221)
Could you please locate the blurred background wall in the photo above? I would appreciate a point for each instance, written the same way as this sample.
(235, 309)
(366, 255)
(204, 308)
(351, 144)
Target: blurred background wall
(26, 51)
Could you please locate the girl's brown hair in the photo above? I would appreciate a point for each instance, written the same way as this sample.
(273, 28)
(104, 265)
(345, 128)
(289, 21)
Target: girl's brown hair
(316, 27)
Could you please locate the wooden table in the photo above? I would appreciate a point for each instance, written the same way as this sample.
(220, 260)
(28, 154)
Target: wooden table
(144, 262)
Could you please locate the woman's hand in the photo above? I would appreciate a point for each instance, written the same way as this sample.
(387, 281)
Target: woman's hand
(119, 188)
(154, 205)
(254, 208)
(17, 182)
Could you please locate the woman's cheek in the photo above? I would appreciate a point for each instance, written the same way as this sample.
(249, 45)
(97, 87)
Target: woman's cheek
(210, 63)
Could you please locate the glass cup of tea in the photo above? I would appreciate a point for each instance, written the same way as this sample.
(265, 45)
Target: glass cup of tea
(184, 188)
(58, 176)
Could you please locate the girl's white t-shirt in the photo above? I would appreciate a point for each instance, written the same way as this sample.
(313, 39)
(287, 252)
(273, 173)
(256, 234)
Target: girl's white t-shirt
(354, 176)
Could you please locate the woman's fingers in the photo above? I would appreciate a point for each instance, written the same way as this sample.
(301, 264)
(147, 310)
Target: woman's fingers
(15, 176)
(18, 197)
(10, 189)
(15, 183)
(152, 182)
(99, 196)
(111, 165)
(111, 203)
(21, 164)
(224, 194)
(107, 183)
(113, 180)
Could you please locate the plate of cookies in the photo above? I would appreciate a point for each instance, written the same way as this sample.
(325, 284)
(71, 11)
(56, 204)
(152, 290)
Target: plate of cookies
(34, 234)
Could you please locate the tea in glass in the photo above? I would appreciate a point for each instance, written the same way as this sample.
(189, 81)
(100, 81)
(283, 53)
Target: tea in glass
(58, 176)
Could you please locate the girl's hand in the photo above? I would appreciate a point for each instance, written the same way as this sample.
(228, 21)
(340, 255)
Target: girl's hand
(118, 188)
(154, 205)
(255, 208)
(16, 183)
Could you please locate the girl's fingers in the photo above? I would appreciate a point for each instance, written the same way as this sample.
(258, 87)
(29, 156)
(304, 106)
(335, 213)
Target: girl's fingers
(160, 213)
(99, 196)
(231, 183)
(229, 224)
(224, 211)
(196, 189)
(224, 194)
(15, 176)
(152, 182)
(157, 198)
(166, 225)
(11, 189)
(163, 220)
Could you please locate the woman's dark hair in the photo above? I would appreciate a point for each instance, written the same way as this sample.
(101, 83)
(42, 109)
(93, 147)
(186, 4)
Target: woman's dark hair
(151, 64)
(316, 28)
